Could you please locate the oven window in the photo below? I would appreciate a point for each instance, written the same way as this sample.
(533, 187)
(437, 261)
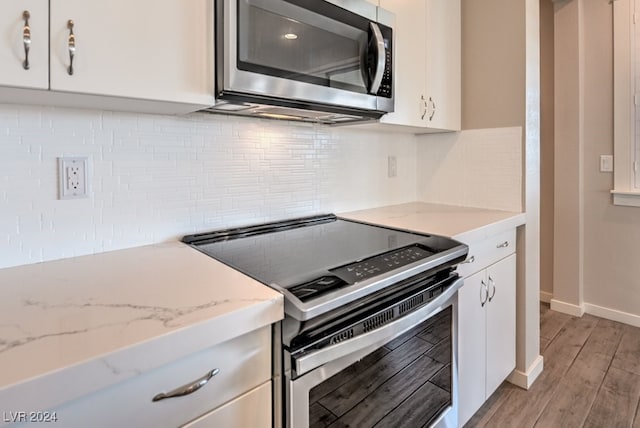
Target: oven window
(406, 382)
(325, 47)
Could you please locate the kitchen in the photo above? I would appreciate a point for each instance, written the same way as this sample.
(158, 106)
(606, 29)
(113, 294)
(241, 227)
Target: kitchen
(155, 178)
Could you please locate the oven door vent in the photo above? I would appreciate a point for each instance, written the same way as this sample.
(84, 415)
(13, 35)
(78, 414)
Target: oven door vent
(410, 304)
(379, 320)
(342, 336)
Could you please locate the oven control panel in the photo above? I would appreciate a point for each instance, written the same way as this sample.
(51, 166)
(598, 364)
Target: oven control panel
(359, 271)
(383, 263)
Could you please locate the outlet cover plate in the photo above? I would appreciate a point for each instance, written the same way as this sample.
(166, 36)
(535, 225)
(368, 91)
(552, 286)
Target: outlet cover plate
(73, 173)
(392, 166)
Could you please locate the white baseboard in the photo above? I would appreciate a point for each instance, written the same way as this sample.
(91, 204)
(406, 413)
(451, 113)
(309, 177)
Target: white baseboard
(567, 308)
(546, 297)
(525, 379)
(612, 314)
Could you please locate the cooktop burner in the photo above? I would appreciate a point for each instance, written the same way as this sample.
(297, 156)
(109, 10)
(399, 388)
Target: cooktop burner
(314, 257)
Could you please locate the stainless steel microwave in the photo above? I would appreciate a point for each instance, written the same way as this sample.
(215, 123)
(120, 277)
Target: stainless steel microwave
(325, 61)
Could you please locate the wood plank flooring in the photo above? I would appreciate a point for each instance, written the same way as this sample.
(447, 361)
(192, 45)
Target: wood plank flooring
(591, 378)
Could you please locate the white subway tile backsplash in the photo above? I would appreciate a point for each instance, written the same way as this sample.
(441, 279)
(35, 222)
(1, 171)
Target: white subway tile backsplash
(478, 168)
(155, 178)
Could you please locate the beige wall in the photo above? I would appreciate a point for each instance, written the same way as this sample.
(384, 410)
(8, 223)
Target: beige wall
(568, 193)
(493, 63)
(609, 266)
(546, 148)
(612, 233)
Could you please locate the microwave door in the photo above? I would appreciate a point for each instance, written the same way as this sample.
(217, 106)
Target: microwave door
(294, 51)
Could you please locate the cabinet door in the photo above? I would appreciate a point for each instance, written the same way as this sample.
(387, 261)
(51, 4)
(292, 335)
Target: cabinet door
(471, 346)
(252, 409)
(443, 64)
(409, 61)
(501, 322)
(136, 49)
(13, 33)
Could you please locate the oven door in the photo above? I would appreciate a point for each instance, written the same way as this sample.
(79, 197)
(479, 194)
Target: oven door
(306, 51)
(401, 374)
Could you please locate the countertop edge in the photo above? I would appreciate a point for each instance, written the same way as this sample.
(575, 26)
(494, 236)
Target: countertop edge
(126, 363)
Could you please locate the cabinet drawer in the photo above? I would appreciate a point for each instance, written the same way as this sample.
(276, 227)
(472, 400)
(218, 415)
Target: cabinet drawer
(488, 251)
(243, 363)
(252, 409)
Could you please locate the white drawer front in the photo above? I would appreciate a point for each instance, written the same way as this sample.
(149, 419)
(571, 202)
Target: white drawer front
(252, 409)
(243, 363)
(488, 251)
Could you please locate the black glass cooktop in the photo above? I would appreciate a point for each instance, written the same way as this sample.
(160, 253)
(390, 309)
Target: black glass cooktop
(315, 255)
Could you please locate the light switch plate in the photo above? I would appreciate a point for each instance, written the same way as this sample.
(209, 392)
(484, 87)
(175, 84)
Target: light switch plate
(73, 173)
(606, 163)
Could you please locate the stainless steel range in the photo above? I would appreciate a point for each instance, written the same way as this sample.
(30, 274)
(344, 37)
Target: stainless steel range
(369, 336)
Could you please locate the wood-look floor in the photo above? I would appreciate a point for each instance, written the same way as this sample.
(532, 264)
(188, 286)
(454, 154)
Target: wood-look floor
(591, 378)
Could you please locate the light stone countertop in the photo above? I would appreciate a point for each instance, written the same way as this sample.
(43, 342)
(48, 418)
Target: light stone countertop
(462, 223)
(73, 326)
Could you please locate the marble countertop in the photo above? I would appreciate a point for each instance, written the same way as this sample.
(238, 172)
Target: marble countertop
(462, 223)
(70, 327)
(73, 326)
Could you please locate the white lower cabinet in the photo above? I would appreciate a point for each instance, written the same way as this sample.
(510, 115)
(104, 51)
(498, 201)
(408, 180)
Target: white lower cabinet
(252, 409)
(486, 323)
(241, 386)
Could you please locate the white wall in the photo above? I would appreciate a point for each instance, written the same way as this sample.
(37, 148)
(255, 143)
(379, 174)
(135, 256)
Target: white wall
(156, 178)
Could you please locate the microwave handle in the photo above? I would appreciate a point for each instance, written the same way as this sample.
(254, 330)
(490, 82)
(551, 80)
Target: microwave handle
(380, 66)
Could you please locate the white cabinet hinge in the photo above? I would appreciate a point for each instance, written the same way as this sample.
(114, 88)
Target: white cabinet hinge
(635, 166)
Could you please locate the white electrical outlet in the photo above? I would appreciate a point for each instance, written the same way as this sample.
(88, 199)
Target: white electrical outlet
(392, 166)
(73, 175)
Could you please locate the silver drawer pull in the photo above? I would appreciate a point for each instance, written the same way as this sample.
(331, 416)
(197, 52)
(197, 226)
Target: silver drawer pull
(187, 389)
(483, 297)
(505, 244)
(469, 260)
(71, 42)
(26, 38)
(493, 288)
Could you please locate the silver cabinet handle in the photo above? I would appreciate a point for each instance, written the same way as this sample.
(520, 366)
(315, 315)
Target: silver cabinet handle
(493, 288)
(505, 244)
(26, 38)
(433, 110)
(469, 260)
(423, 104)
(72, 46)
(187, 389)
(483, 299)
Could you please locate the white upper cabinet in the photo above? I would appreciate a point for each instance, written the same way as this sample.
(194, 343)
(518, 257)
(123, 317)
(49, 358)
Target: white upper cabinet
(120, 55)
(443, 64)
(136, 49)
(409, 68)
(24, 43)
(427, 65)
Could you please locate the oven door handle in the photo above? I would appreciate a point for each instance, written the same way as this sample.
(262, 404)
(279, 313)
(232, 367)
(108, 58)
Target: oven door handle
(376, 337)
